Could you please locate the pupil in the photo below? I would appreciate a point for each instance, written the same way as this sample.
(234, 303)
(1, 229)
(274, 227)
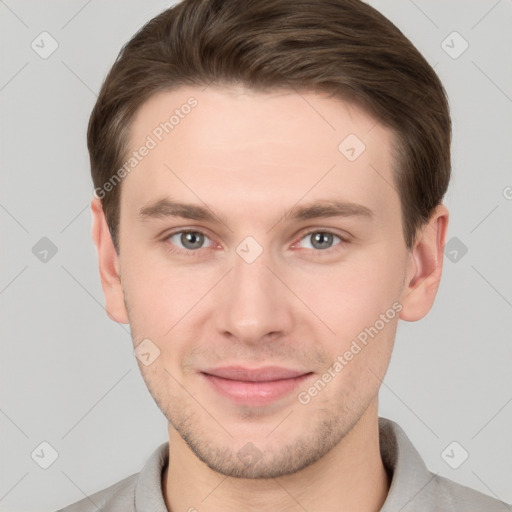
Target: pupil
(322, 240)
(192, 240)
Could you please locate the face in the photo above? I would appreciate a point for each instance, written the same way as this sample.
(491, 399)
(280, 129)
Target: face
(262, 270)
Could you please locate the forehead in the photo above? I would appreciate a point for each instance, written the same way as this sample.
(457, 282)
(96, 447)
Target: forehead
(237, 143)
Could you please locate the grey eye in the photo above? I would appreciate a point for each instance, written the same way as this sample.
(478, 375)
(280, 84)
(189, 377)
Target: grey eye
(320, 240)
(189, 240)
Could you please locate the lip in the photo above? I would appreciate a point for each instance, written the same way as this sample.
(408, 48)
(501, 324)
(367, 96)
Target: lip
(256, 387)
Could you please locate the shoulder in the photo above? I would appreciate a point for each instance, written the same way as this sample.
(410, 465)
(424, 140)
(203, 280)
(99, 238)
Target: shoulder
(459, 498)
(118, 497)
(140, 491)
(413, 488)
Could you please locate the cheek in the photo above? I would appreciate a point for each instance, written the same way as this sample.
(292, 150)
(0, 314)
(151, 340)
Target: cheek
(159, 292)
(352, 295)
(163, 303)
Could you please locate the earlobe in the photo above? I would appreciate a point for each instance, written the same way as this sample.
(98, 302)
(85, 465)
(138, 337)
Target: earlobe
(425, 267)
(109, 265)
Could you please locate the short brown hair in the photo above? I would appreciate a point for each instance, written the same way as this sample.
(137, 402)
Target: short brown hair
(342, 47)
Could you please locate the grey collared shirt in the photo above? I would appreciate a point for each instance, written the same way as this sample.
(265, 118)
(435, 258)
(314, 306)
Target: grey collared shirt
(413, 487)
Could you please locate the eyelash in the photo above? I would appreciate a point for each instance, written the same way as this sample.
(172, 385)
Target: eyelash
(198, 252)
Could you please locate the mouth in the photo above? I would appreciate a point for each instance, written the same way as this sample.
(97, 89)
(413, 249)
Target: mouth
(254, 387)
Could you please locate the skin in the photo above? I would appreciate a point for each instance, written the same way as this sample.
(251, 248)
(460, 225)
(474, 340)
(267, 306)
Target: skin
(251, 157)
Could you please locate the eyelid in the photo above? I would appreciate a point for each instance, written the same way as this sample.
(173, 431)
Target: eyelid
(192, 229)
(333, 231)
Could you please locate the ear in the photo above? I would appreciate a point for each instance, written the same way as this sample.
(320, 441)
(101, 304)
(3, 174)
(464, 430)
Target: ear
(109, 265)
(425, 265)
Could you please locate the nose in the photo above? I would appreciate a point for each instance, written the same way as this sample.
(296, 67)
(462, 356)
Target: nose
(253, 303)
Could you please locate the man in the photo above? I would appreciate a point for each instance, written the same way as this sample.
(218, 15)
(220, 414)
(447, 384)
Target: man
(269, 177)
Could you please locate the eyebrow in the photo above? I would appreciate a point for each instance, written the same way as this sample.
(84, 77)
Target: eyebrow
(164, 208)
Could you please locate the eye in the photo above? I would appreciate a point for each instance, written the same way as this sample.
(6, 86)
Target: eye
(189, 240)
(320, 240)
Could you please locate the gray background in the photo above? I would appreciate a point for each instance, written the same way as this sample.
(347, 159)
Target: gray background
(68, 375)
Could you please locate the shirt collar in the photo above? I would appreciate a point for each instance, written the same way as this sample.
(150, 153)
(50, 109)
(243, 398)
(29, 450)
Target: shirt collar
(411, 481)
(148, 492)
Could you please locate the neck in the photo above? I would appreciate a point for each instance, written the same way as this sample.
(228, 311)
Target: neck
(349, 477)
